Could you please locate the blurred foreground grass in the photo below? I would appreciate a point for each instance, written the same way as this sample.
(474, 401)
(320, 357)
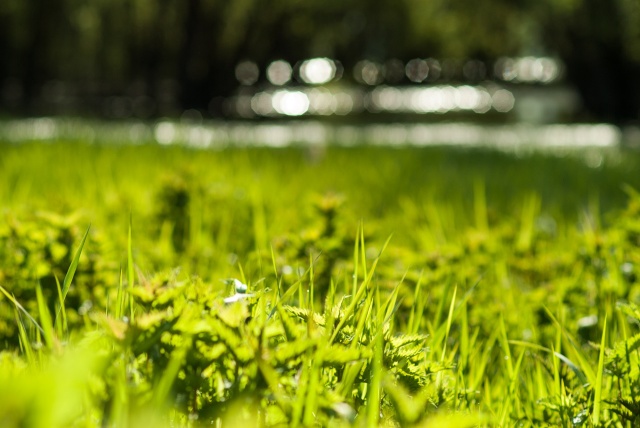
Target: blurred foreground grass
(298, 287)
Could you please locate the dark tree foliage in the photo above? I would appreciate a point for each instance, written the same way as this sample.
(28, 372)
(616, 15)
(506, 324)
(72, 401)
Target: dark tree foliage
(597, 42)
(163, 56)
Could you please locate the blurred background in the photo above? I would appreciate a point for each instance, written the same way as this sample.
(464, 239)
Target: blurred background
(542, 61)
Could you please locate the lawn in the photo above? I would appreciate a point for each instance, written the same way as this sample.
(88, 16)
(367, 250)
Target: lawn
(145, 285)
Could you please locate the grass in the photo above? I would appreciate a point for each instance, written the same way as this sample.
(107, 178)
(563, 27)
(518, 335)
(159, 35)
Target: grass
(354, 287)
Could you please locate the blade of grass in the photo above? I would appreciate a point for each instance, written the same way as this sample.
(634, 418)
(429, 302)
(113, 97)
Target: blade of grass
(45, 318)
(598, 387)
(25, 343)
(66, 283)
(362, 320)
(417, 308)
(120, 297)
(60, 328)
(120, 402)
(581, 364)
(512, 395)
(438, 331)
(504, 343)
(449, 321)
(363, 253)
(530, 345)
(311, 287)
(289, 293)
(373, 389)
(300, 399)
(391, 305)
(464, 337)
(130, 266)
(573, 366)
(19, 306)
(272, 378)
(441, 305)
(356, 298)
(356, 256)
(275, 268)
(163, 388)
(477, 371)
(530, 210)
(311, 402)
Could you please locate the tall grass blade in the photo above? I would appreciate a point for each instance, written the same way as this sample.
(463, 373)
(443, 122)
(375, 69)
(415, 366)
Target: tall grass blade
(45, 318)
(373, 388)
(597, 400)
(25, 343)
(311, 402)
(273, 262)
(66, 283)
(68, 278)
(302, 391)
(120, 297)
(21, 308)
(356, 264)
(363, 253)
(163, 388)
(361, 291)
(60, 328)
(449, 321)
(574, 368)
(130, 266)
(580, 364)
(120, 402)
(530, 211)
(289, 293)
(417, 308)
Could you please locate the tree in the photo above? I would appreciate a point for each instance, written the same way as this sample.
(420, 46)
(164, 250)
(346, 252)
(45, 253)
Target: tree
(600, 44)
(186, 51)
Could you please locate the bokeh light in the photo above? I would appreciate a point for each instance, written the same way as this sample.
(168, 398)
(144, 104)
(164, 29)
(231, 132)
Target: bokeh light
(560, 139)
(503, 100)
(317, 71)
(439, 99)
(302, 101)
(262, 104)
(322, 102)
(439, 87)
(346, 103)
(368, 72)
(247, 73)
(290, 103)
(417, 70)
(528, 69)
(279, 72)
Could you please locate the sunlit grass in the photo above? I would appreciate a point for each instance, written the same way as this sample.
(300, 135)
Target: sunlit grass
(273, 288)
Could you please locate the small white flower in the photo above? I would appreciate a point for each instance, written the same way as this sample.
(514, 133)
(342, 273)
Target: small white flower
(240, 290)
(238, 285)
(237, 297)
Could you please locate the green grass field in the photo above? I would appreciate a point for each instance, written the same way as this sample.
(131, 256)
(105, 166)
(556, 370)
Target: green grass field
(414, 287)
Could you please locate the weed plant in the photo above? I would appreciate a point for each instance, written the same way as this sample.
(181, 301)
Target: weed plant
(163, 286)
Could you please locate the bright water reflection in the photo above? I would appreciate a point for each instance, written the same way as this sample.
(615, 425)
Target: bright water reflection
(320, 101)
(216, 135)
